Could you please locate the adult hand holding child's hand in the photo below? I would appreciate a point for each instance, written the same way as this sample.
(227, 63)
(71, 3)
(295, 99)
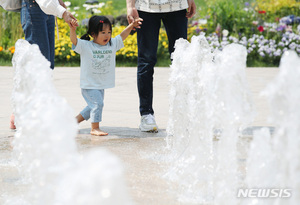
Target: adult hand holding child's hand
(137, 22)
(74, 23)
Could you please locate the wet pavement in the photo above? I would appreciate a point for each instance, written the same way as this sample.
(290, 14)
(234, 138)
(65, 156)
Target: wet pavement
(121, 120)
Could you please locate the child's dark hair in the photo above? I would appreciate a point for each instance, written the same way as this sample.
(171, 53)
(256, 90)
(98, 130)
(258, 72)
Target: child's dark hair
(95, 26)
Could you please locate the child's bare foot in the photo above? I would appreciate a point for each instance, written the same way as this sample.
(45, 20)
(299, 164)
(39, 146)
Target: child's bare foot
(98, 132)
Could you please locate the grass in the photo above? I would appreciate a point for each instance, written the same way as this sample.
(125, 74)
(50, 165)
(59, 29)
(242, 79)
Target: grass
(118, 5)
(5, 63)
(257, 63)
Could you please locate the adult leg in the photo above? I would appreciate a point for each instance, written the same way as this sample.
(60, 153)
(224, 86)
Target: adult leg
(176, 27)
(34, 23)
(51, 38)
(147, 40)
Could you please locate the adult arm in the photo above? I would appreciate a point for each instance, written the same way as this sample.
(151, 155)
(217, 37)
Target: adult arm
(192, 9)
(56, 8)
(132, 13)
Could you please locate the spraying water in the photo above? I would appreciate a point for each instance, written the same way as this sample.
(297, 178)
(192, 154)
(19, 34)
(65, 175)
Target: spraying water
(278, 164)
(45, 146)
(189, 135)
(233, 112)
(208, 92)
(209, 106)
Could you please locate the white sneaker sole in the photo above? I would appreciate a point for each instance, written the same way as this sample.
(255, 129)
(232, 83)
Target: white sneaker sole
(149, 129)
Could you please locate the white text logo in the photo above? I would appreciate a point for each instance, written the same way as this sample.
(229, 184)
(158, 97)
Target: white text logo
(264, 193)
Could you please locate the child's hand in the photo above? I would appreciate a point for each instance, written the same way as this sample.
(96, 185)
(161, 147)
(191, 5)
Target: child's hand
(137, 22)
(73, 24)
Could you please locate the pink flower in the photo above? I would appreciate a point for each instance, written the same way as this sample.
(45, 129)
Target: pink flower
(195, 23)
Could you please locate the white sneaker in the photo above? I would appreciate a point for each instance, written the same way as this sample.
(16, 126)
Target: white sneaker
(148, 123)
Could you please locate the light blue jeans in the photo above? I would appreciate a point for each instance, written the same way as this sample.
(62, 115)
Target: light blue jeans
(38, 28)
(95, 101)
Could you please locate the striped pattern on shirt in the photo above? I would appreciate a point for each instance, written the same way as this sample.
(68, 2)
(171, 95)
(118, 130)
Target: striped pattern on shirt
(160, 6)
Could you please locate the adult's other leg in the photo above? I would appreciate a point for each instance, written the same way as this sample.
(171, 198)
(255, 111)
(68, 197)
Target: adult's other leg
(176, 27)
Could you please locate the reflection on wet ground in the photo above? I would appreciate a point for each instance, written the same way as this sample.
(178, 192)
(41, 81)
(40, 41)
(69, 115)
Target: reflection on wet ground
(143, 156)
(143, 174)
(135, 148)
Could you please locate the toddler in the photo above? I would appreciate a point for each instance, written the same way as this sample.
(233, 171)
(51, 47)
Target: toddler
(97, 65)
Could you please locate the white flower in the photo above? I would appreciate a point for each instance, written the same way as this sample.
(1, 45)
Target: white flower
(277, 52)
(262, 54)
(272, 30)
(251, 40)
(202, 21)
(67, 3)
(76, 8)
(202, 33)
(225, 32)
(96, 11)
(289, 28)
(292, 46)
(101, 5)
(87, 7)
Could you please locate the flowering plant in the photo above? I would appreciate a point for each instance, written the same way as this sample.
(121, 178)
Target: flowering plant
(259, 48)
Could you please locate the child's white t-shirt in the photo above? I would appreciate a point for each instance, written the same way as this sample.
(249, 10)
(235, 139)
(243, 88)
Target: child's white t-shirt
(97, 63)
